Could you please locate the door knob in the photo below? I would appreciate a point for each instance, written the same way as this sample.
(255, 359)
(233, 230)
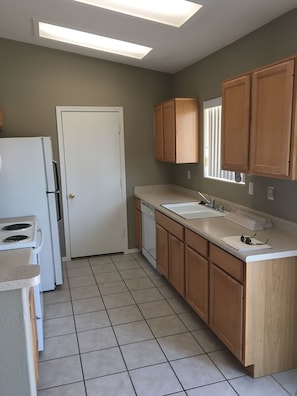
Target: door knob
(71, 195)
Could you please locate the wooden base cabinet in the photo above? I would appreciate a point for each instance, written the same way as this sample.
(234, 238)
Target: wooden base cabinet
(196, 273)
(170, 251)
(138, 219)
(34, 331)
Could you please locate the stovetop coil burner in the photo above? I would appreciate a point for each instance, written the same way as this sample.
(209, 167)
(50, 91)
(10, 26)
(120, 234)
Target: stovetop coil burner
(17, 227)
(15, 238)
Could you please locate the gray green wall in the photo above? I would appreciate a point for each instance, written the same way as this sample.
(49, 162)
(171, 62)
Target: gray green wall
(270, 43)
(34, 80)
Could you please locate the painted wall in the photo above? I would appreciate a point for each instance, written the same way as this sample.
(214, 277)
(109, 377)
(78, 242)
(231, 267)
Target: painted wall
(270, 43)
(34, 80)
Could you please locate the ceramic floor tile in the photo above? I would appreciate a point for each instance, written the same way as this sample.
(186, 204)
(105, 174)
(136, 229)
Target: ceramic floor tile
(79, 271)
(77, 389)
(91, 320)
(110, 385)
(100, 268)
(58, 310)
(118, 300)
(100, 259)
(141, 354)
(155, 380)
(133, 273)
(59, 326)
(130, 313)
(118, 258)
(192, 321)
(180, 346)
(208, 341)
(158, 280)
(79, 293)
(150, 270)
(264, 386)
(77, 263)
(59, 372)
(196, 371)
(80, 281)
(105, 277)
(103, 362)
(112, 288)
(60, 346)
(218, 389)
(288, 379)
(133, 332)
(87, 305)
(166, 325)
(56, 296)
(155, 309)
(168, 292)
(147, 295)
(179, 305)
(93, 340)
(139, 283)
(227, 364)
(126, 265)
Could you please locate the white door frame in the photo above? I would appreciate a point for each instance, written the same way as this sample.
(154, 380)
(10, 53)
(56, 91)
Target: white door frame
(59, 111)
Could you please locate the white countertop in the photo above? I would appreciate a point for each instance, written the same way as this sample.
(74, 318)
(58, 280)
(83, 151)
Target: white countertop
(16, 270)
(282, 236)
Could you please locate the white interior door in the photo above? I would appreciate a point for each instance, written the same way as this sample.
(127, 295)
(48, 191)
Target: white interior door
(91, 148)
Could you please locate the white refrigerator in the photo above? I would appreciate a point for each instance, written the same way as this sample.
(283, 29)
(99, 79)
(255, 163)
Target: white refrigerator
(29, 186)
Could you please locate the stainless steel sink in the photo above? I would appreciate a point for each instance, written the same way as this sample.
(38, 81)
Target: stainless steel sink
(193, 210)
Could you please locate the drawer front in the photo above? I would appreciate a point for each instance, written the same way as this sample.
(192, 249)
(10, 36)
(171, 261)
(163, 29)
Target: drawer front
(171, 226)
(230, 264)
(196, 242)
(137, 203)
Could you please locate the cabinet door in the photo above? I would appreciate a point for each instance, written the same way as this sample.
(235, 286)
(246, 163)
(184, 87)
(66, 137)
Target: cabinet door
(196, 284)
(138, 219)
(158, 132)
(226, 309)
(272, 96)
(162, 250)
(34, 331)
(236, 124)
(176, 267)
(169, 131)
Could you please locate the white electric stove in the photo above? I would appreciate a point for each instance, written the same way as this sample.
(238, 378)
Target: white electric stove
(20, 233)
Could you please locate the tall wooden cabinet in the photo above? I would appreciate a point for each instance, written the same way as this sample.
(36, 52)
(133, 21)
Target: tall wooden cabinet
(176, 131)
(259, 126)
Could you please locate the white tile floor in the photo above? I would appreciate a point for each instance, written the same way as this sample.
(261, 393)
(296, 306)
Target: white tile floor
(117, 328)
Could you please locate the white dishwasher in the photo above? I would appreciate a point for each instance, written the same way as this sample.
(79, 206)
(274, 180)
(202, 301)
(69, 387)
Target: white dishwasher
(148, 233)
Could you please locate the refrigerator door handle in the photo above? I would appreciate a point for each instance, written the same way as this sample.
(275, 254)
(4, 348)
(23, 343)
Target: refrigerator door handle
(57, 183)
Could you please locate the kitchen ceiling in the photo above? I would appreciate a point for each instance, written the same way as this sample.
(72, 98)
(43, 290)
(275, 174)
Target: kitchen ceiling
(217, 24)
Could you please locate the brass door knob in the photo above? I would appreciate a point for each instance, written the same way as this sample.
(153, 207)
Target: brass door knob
(71, 195)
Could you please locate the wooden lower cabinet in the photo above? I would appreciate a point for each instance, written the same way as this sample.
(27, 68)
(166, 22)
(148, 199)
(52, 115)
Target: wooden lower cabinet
(226, 309)
(34, 332)
(196, 273)
(170, 251)
(138, 219)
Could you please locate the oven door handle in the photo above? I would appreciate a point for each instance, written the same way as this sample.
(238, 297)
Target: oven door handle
(39, 247)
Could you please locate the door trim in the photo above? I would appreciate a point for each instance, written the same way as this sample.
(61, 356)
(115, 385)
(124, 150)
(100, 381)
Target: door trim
(59, 111)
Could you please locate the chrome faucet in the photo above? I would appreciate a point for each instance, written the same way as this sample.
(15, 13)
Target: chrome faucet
(210, 201)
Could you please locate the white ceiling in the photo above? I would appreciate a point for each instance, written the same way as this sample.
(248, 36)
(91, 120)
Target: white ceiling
(217, 24)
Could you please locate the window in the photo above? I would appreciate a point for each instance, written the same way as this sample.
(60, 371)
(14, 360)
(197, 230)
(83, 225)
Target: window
(212, 113)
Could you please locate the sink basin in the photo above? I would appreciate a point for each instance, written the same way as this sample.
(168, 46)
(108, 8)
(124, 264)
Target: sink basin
(192, 210)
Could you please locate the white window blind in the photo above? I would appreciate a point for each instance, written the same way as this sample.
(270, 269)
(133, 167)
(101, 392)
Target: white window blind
(212, 113)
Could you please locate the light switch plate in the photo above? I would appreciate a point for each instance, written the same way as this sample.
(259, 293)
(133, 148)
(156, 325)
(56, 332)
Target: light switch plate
(270, 193)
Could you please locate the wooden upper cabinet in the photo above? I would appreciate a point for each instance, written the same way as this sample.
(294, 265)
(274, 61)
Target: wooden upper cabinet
(272, 97)
(236, 124)
(259, 122)
(176, 131)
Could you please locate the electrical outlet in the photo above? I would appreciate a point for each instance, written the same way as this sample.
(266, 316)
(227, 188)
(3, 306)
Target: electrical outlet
(270, 193)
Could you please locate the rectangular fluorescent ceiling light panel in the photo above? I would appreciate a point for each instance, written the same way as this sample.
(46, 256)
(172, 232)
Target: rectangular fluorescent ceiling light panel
(168, 12)
(93, 41)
